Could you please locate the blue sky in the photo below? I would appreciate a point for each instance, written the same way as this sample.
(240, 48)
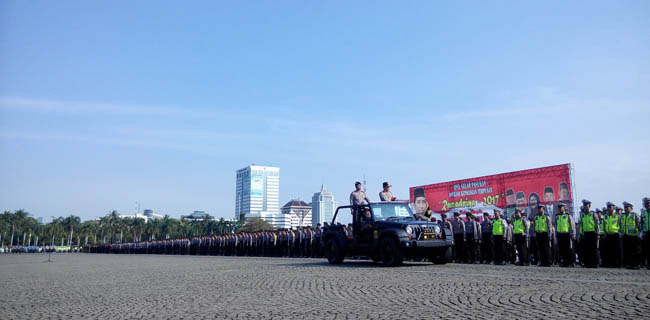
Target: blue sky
(103, 104)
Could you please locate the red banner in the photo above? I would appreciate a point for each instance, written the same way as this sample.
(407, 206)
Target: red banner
(506, 192)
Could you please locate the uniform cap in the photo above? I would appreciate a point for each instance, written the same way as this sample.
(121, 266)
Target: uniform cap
(456, 214)
(646, 199)
(586, 202)
(540, 206)
(610, 204)
(386, 184)
(495, 211)
(627, 204)
(560, 205)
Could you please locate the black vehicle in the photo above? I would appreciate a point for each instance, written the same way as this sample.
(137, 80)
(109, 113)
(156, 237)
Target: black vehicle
(387, 232)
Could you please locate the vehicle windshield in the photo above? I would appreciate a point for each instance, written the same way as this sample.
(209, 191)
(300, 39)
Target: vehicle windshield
(392, 211)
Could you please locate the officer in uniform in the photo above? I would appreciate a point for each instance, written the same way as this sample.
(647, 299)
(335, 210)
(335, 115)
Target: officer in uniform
(459, 238)
(386, 195)
(486, 241)
(543, 231)
(610, 248)
(498, 231)
(566, 233)
(590, 234)
(631, 226)
(533, 253)
(520, 232)
(645, 223)
(472, 239)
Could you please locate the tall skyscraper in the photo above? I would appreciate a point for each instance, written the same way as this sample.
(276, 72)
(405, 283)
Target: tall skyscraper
(323, 206)
(258, 193)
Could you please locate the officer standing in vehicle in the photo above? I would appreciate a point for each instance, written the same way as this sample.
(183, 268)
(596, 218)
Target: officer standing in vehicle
(566, 233)
(486, 241)
(458, 226)
(631, 226)
(498, 231)
(610, 247)
(543, 231)
(386, 195)
(520, 231)
(590, 234)
(358, 197)
(645, 223)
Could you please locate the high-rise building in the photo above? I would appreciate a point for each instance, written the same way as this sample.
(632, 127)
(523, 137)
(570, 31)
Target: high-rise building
(258, 193)
(323, 206)
(298, 213)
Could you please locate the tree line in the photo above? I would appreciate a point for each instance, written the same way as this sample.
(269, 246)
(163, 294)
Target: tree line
(20, 228)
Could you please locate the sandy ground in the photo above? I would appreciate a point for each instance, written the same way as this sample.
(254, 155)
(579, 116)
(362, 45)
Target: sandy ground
(98, 286)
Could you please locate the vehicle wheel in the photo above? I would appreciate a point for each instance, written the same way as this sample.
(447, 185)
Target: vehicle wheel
(448, 256)
(334, 252)
(391, 254)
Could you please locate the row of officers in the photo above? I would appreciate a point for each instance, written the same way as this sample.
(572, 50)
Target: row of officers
(611, 237)
(302, 242)
(608, 238)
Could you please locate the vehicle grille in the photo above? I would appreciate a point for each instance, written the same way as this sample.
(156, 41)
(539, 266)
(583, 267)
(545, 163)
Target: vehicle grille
(421, 231)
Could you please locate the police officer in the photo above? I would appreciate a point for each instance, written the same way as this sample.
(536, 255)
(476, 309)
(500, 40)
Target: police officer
(631, 226)
(645, 223)
(566, 233)
(543, 231)
(472, 239)
(498, 231)
(520, 232)
(590, 234)
(459, 238)
(358, 197)
(386, 195)
(486, 239)
(610, 248)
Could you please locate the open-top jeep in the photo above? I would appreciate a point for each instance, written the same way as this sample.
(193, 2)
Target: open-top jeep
(387, 232)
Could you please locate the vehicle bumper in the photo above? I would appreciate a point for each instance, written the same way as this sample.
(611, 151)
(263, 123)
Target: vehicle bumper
(426, 244)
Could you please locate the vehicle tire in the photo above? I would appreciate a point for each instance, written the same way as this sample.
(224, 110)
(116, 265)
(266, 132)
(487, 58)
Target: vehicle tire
(448, 255)
(334, 252)
(391, 254)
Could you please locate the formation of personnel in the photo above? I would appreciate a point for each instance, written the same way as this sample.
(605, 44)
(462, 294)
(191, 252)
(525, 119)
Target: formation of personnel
(611, 237)
(302, 242)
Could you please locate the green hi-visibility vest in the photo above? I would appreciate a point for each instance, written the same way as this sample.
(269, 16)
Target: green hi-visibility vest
(518, 226)
(541, 224)
(646, 220)
(629, 224)
(588, 223)
(563, 223)
(497, 227)
(613, 225)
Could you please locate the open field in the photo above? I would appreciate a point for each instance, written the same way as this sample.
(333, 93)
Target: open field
(97, 286)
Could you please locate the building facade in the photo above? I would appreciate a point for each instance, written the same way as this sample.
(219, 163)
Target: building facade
(323, 206)
(297, 213)
(258, 193)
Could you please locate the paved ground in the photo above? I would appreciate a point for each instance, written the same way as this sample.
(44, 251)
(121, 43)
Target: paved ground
(85, 286)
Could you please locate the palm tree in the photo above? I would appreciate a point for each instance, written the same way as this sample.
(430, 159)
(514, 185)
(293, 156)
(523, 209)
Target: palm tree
(17, 222)
(167, 226)
(71, 223)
